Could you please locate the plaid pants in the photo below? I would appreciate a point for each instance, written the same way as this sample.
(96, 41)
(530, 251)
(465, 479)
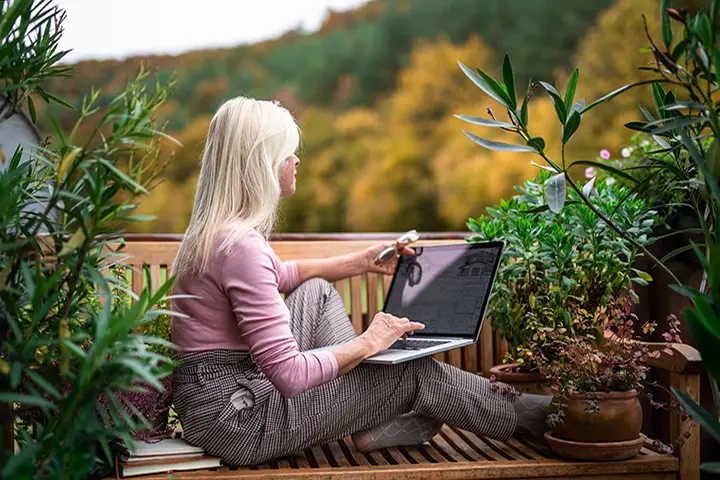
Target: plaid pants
(366, 396)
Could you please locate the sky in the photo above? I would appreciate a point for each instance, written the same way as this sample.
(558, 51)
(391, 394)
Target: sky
(120, 28)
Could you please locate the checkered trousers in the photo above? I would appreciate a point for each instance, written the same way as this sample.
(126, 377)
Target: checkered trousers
(365, 397)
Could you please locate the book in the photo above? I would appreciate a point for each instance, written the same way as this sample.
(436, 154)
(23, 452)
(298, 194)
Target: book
(168, 446)
(163, 456)
(128, 469)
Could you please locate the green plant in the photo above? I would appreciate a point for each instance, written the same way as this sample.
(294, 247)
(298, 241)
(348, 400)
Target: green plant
(65, 340)
(559, 267)
(685, 128)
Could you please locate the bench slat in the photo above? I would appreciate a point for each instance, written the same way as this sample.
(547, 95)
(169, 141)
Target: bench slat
(356, 303)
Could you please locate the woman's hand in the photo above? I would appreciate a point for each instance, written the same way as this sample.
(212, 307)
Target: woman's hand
(387, 268)
(386, 329)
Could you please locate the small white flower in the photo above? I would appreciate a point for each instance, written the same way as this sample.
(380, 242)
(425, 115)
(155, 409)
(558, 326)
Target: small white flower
(609, 181)
(626, 152)
(645, 143)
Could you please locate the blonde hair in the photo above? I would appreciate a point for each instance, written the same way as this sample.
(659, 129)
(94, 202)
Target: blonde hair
(239, 187)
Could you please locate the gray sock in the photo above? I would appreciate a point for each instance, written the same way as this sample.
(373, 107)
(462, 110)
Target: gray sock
(404, 430)
(532, 412)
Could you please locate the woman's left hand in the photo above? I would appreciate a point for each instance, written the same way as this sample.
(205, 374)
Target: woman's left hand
(387, 268)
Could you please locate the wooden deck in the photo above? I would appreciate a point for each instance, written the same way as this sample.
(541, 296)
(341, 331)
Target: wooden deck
(453, 454)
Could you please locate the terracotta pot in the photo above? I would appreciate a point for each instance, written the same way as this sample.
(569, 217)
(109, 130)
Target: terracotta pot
(521, 381)
(619, 418)
(595, 451)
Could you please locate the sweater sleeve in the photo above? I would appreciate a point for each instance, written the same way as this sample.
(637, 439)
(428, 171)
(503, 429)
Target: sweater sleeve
(288, 276)
(251, 282)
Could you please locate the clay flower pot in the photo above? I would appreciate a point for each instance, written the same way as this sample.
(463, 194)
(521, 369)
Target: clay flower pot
(619, 418)
(521, 381)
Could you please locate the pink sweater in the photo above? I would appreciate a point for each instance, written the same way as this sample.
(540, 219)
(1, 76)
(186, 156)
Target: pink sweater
(240, 308)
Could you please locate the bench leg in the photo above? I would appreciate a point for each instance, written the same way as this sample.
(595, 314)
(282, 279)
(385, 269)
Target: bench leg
(689, 453)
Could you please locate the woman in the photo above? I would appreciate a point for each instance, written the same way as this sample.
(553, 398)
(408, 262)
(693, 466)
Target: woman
(248, 388)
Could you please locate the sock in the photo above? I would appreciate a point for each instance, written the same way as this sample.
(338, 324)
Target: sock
(408, 429)
(532, 412)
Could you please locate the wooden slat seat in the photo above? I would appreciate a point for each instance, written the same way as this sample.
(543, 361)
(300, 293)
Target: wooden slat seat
(453, 454)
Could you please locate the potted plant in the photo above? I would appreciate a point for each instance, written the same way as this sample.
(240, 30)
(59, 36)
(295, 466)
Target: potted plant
(556, 265)
(597, 377)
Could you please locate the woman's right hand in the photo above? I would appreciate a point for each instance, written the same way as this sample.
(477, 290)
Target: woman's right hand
(386, 329)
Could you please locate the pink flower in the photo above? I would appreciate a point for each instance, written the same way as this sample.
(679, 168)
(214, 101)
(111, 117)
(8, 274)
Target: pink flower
(604, 154)
(590, 172)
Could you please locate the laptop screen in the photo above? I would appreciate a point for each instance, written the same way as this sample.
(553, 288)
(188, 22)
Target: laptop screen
(445, 287)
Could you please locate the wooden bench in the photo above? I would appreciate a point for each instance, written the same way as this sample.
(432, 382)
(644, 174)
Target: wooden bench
(453, 454)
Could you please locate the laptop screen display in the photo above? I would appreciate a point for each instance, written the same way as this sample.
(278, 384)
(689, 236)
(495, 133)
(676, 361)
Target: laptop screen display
(445, 287)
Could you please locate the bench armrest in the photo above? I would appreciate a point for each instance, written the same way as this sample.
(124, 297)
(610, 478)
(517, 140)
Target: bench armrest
(684, 358)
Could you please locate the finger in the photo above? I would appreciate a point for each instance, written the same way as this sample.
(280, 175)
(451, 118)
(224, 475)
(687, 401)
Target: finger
(407, 251)
(417, 326)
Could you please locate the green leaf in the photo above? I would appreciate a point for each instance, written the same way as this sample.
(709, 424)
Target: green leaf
(31, 109)
(59, 100)
(639, 126)
(666, 26)
(614, 94)
(679, 50)
(481, 83)
(704, 341)
(485, 122)
(570, 90)
(716, 62)
(557, 102)
(676, 252)
(639, 281)
(538, 143)
(698, 413)
(712, 159)
(603, 166)
(498, 146)
(703, 29)
(700, 162)
(644, 275)
(676, 124)
(498, 88)
(555, 192)
(41, 382)
(707, 317)
(26, 400)
(571, 127)
(509, 80)
(712, 467)
(658, 95)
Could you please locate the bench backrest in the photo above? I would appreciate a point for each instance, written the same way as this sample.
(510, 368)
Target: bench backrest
(363, 294)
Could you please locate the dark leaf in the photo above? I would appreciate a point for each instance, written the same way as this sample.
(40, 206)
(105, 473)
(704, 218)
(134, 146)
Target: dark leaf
(570, 89)
(666, 26)
(571, 127)
(498, 146)
(31, 109)
(716, 62)
(28, 400)
(679, 50)
(639, 126)
(648, 115)
(712, 467)
(677, 124)
(499, 89)
(482, 84)
(676, 252)
(557, 102)
(615, 93)
(704, 341)
(658, 95)
(509, 80)
(538, 143)
(698, 413)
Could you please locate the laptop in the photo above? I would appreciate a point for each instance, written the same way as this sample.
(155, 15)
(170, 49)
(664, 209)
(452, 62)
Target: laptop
(445, 287)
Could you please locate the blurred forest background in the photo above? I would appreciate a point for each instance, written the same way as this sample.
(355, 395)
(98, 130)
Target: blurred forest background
(375, 90)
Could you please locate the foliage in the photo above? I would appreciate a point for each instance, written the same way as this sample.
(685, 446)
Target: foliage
(66, 340)
(685, 125)
(564, 273)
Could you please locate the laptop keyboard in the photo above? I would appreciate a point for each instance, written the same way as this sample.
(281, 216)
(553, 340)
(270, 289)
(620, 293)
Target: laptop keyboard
(416, 344)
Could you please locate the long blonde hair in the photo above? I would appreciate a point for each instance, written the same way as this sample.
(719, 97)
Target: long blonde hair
(239, 187)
